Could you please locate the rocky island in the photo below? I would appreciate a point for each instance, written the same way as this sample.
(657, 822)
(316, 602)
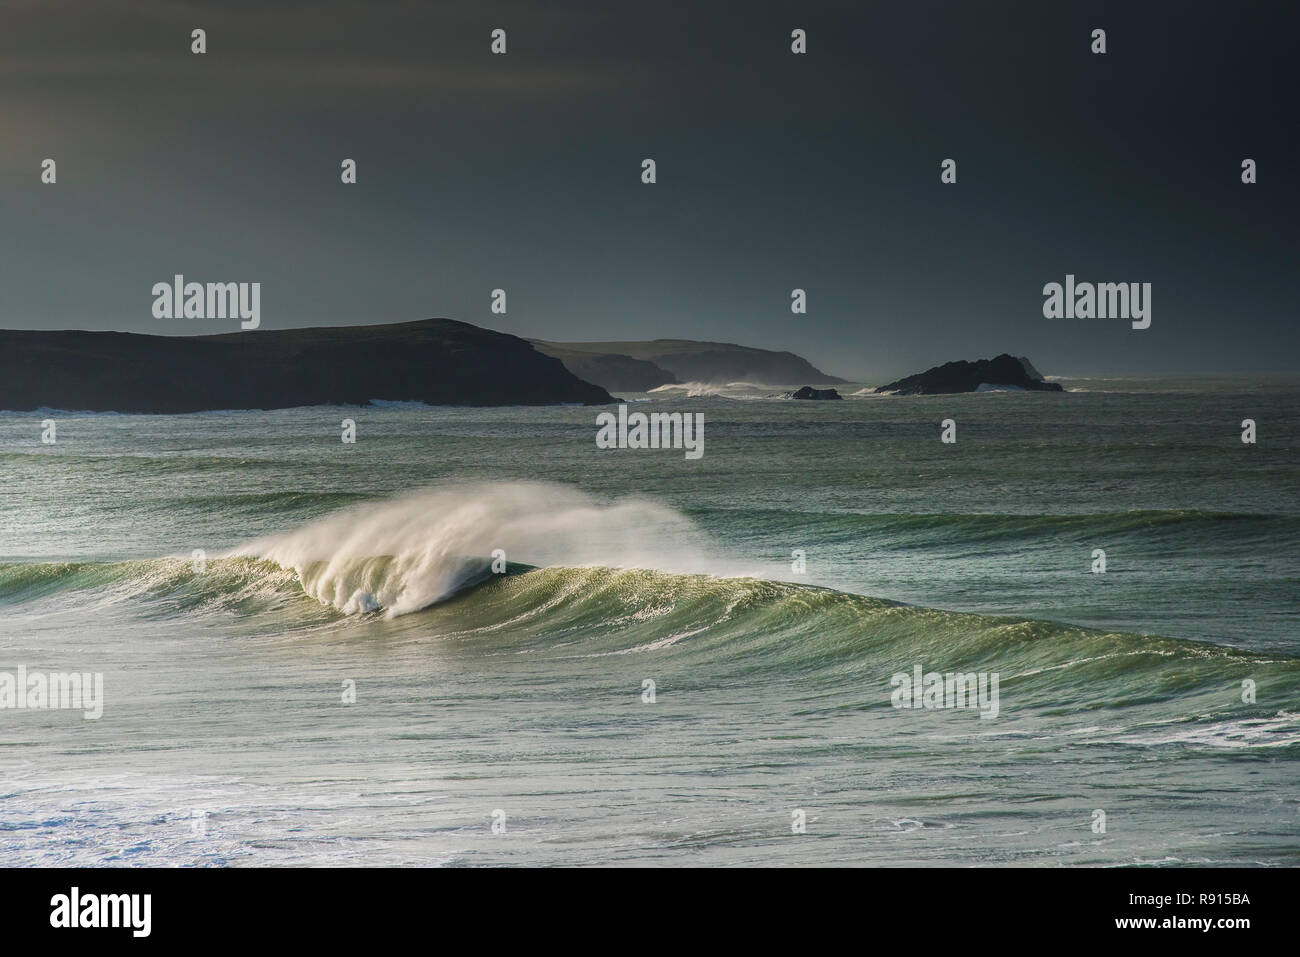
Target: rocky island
(808, 392)
(1003, 372)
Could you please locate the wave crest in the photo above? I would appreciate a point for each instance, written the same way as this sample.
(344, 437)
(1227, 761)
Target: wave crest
(411, 552)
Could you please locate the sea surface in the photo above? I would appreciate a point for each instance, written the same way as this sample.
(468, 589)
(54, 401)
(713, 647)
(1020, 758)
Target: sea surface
(674, 662)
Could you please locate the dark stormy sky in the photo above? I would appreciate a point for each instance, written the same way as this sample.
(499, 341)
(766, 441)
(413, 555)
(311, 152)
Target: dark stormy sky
(775, 171)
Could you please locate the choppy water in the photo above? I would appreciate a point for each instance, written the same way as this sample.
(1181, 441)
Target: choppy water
(225, 739)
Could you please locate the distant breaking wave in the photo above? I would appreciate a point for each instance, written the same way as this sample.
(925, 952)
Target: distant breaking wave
(694, 390)
(723, 390)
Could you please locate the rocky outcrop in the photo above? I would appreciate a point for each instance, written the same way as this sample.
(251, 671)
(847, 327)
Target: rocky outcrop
(1003, 371)
(808, 392)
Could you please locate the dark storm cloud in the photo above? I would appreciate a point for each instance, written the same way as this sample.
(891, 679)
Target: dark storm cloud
(775, 171)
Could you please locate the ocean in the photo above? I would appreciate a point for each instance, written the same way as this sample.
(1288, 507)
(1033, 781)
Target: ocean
(309, 658)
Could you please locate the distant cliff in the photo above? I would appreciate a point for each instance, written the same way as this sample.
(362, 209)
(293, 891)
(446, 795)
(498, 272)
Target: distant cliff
(437, 361)
(642, 366)
(999, 372)
(618, 373)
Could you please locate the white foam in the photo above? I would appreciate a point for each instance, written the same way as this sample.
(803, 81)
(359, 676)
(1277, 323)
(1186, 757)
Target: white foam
(408, 553)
